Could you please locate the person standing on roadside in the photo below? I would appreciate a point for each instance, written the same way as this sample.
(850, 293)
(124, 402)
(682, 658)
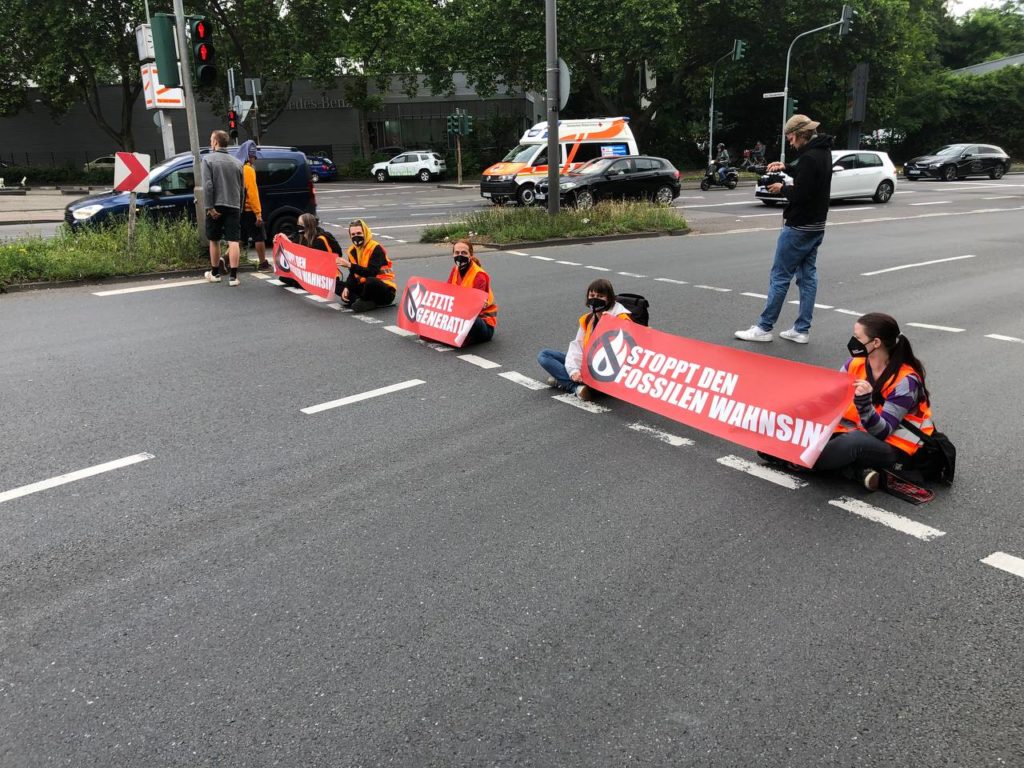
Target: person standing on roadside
(371, 277)
(803, 229)
(222, 194)
(252, 212)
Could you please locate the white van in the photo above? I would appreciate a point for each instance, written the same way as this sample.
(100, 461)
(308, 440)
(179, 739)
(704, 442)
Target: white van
(515, 177)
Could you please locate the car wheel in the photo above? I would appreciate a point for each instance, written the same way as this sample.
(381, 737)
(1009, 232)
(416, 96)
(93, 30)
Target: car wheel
(286, 225)
(499, 200)
(424, 175)
(731, 183)
(997, 172)
(664, 195)
(527, 195)
(770, 203)
(381, 176)
(949, 173)
(884, 192)
(584, 199)
(705, 184)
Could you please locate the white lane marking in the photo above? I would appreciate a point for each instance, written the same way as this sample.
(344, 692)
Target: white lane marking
(480, 361)
(363, 396)
(849, 312)
(367, 319)
(918, 264)
(583, 405)
(664, 437)
(737, 231)
(1000, 197)
(754, 295)
(318, 299)
(517, 253)
(1005, 562)
(438, 347)
(755, 215)
(390, 226)
(541, 258)
(400, 241)
(141, 288)
(387, 237)
(714, 288)
(937, 327)
(335, 307)
(399, 331)
(523, 381)
(690, 197)
(432, 213)
(294, 289)
(816, 306)
(933, 202)
(599, 269)
(670, 280)
(569, 263)
(342, 309)
(776, 476)
(719, 205)
(261, 275)
(274, 281)
(1000, 337)
(630, 274)
(71, 477)
(890, 519)
(324, 210)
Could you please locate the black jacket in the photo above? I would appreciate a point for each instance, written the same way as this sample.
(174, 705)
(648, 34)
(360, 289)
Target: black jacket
(808, 195)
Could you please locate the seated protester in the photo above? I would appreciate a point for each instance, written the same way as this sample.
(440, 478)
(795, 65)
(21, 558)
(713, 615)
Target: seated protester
(468, 273)
(310, 234)
(371, 278)
(889, 386)
(565, 368)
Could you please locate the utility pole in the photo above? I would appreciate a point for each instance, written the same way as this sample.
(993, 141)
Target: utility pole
(190, 114)
(711, 109)
(552, 102)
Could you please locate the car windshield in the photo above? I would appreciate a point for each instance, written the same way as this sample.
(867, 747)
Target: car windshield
(597, 165)
(520, 154)
(951, 149)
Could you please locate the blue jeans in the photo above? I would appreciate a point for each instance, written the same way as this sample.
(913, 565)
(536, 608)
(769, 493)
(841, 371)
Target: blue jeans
(795, 254)
(721, 173)
(553, 362)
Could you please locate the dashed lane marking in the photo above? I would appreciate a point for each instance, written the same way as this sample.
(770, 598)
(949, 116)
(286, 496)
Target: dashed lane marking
(1001, 197)
(754, 295)
(583, 405)
(918, 264)
(367, 319)
(599, 269)
(318, 299)
(670, 280)
(142, 288)
(630, 274)
(890, 519)
(569, 263)
(937, 327)
(399, 331)
(523, 381)
(933, 202)
(261, 275)
(295, 290)
(363, 396)
(274, 281)
(816, 306)
(542, 258)
(761, 471)
(1000, 337)
(517, 253)
(714, 288)
(657, 434)
(438, 347)
(1005, 562)
(849, 312)
(71, 477)
(480, 362)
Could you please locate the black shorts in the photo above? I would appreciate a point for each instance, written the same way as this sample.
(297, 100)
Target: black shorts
(224, 227)
(251, 230)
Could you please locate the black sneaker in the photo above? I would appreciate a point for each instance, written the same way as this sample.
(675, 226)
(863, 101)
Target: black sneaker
(362, 305)
(870, 479)
(263, 266)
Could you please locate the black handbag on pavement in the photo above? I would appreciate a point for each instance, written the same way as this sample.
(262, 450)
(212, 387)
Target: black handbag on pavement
(936, 458)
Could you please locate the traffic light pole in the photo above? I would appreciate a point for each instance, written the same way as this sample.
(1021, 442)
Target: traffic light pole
(785, 88)
(552, 102)
(711, 109)
(193, 125)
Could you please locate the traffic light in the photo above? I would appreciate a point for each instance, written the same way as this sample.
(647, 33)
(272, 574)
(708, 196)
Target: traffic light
(453, 124)
(233, 123)
(846, 20)
(204, 57)
(790, 107)
(466, 125)
(165, 51)
(718, 119)
(738, 47)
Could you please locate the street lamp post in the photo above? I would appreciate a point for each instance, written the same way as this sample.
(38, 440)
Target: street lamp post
(552, 102)
(711, 109)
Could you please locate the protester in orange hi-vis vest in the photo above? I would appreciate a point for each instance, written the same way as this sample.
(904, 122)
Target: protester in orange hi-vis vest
(371, 277)
(889, 388)
(565, 368)
(310, 234)
(469, 273)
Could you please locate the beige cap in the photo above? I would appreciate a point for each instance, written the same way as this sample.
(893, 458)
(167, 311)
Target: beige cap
(800, 123)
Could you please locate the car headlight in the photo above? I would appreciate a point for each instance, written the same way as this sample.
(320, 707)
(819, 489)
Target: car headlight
(569, 185)
(86, 212)
(934, 165)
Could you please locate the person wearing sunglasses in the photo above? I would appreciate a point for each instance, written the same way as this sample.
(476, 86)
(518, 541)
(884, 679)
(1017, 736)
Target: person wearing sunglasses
(469, 273)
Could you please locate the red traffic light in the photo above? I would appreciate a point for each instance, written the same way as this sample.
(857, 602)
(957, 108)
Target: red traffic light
(232, 119)
(204, 53)
(202, 31)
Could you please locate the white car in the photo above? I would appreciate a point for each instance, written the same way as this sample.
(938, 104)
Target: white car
(105, 163)
(419, 164)
(855, 173)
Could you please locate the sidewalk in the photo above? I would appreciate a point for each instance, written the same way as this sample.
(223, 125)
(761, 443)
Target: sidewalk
(35, 206)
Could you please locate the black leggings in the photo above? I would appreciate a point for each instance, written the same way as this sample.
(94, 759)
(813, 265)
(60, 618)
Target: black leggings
(480, 332)
(858, 450)
(373, 290)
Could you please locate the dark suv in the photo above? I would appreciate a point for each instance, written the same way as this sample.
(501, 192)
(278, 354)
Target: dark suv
(282, 177)
(635, 177)
(958, 161)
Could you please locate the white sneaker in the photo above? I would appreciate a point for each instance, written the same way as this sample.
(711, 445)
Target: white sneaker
(754, 333)
(794, 335)
(233, 281)
(210, 277)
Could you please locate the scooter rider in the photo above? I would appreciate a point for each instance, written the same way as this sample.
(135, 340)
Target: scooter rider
(722, 162)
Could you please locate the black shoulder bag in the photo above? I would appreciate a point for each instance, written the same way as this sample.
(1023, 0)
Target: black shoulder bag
(936, 458)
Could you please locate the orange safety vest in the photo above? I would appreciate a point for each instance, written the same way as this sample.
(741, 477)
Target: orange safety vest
(588, 327)
(362, 258)
(902, 438)
(490, 311)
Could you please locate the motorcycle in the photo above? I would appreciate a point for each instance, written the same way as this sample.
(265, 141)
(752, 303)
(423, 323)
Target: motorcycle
(712, 179)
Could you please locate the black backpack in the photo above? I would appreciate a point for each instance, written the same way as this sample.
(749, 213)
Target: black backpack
(637, 305)
(332, 242)
(936, 458)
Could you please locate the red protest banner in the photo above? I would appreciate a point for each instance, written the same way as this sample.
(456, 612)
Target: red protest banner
(440, 311)
(312, 269)
(777, 406)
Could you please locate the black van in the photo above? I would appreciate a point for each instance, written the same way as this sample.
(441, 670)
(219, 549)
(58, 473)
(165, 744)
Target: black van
(282, 176)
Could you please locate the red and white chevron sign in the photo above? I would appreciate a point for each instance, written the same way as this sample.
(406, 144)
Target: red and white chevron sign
(130, 172)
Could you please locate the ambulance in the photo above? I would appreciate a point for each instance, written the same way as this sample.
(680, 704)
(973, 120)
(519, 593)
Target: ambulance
(515, 177)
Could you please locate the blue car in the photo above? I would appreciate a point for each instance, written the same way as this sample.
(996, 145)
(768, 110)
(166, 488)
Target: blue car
(282, 177)
(322, 168)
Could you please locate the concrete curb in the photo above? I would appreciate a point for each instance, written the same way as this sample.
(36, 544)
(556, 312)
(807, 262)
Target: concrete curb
(25, 287)
(15, 222)
(584, 240)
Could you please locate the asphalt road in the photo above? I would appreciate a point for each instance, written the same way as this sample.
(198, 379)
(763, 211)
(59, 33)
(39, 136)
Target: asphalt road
(467, 571)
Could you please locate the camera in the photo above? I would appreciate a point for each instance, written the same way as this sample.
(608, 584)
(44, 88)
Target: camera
(772, 178)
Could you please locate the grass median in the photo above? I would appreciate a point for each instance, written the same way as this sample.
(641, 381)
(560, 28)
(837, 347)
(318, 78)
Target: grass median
(502, 226)
(102, 252)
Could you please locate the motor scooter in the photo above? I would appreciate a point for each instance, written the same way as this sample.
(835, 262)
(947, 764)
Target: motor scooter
(712, 179)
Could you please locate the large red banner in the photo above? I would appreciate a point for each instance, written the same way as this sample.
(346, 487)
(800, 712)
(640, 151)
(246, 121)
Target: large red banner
(440, 311)
(312, 269)
(777, 406)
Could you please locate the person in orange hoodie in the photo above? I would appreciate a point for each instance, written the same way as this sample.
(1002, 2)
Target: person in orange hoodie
(252, 212)
(469, 273)
(371, 278)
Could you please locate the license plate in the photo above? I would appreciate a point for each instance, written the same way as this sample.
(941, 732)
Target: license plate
(485, 194)
(913, 173)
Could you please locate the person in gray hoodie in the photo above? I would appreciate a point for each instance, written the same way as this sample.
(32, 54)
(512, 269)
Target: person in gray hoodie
(222, 195)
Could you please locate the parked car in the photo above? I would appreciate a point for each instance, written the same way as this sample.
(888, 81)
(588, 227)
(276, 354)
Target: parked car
(321, 168)
(855, 173)
(634, 177)
(282, 177)
(958, 161)
(105, 163)
(419, 164)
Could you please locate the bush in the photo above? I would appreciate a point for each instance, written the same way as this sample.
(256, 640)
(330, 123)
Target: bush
(102, 252)
(515, 225)
(63, 174)
(358, 168)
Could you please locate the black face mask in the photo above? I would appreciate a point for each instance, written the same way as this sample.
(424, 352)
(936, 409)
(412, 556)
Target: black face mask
(597, 304)
(358, 239)
(462, 262)
(856, 347)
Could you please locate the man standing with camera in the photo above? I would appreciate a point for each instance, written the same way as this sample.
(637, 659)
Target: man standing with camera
(802, 232)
